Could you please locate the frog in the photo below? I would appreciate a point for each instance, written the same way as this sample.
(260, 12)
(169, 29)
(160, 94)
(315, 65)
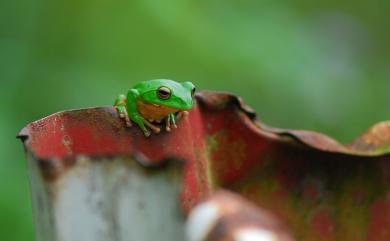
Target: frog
(156, 101)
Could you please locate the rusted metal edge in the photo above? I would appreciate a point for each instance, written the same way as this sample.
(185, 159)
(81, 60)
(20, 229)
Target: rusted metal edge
(53, 168)
(374, 142)
(369, 144)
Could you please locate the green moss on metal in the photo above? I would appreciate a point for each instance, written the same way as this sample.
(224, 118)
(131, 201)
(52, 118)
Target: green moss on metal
(226, 155)
(211, 146)
(328, 203)
(382, 150)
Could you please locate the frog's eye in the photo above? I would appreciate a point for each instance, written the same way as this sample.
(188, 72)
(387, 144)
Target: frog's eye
(193, 92)
(164, 93)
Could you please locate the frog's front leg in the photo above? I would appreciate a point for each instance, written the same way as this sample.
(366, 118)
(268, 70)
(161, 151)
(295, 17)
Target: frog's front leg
(120, 105)
(154, 128)
(131, 102)
(170, 121)
(131, 107)
(173, 120)
(140, 121)
(182, 114)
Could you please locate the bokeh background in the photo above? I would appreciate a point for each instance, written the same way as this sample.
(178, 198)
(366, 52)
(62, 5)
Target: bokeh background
(319, 65)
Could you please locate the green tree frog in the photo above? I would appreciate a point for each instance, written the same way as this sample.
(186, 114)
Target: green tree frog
(154, 101)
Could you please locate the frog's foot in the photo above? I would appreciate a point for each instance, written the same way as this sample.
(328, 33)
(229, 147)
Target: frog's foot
(147, 133)
(168, 123)
(173, 120)
(127, 119)
(123, 115)
(182, 114)
(154, 128)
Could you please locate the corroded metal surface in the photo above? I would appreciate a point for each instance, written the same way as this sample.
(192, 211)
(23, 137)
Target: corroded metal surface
(321, 189)
(106, 199)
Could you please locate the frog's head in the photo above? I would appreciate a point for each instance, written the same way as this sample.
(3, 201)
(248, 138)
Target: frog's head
(170, 93)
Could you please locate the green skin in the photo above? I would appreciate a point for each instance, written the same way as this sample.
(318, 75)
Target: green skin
(181, 99)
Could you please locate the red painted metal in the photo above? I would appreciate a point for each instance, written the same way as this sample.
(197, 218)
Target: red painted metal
(321, 189)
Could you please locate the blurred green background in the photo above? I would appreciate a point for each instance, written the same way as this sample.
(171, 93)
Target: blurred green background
(319, 65)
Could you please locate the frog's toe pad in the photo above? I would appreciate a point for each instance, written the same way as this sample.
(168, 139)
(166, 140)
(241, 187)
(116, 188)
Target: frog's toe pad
(147, 133)
(156, 130)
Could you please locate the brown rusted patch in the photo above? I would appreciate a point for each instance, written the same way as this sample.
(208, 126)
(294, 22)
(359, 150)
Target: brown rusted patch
(52, 169)
(376, 139)
(221, 100)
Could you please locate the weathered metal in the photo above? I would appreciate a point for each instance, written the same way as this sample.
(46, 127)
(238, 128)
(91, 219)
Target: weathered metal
(226, 216)
(320, 189)
(104, 199)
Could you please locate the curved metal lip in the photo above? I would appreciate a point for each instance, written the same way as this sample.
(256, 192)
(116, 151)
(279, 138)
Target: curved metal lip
(374, 142)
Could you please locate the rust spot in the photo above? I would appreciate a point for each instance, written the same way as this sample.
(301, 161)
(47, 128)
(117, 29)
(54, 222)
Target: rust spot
(378, 228)
(323, 223)
(376, 140)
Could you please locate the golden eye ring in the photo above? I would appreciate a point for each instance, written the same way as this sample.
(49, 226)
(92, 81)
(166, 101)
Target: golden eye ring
(164, 93)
